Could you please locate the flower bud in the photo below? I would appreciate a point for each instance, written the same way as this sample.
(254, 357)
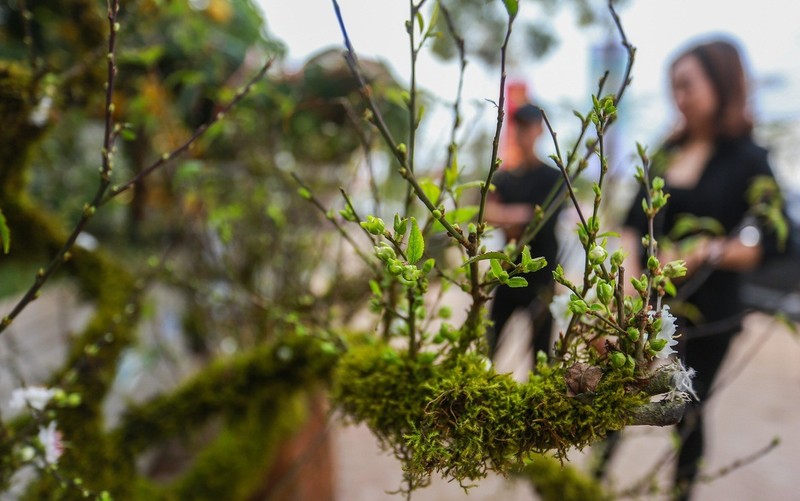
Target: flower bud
(617, 258)
(640, 285)
(605, 292)
(675, 269)
(658, 344)
(410, 272)
(617, 360)
(384, 252)
(597, 255)
(578, 306)
(374, 225)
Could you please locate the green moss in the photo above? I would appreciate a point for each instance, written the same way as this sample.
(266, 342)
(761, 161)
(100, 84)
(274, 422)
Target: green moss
(259, 394)
(228, 387)
(233, 466)
(461, 419)
(555, 481)
(16, 104)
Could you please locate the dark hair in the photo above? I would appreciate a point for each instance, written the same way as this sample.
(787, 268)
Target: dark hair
(527, 114)
(722, 64)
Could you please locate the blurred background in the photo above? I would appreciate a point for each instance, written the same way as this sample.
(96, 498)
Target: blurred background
(215, 257)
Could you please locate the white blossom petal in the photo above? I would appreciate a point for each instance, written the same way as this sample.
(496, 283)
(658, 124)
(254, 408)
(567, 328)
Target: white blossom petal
(35, 396)
(559, 308)
(667, 332)
(682, 380)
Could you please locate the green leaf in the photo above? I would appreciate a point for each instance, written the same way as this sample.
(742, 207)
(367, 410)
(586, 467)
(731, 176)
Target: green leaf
(460, 215)
(143, 57)
(400, 226)
(669, 287)
(188, 170)
(416, 243)
(376, 289)
(788, 323)
(5, 234)
(497, 269)
(516, 282)
(304, 193)
(430, 189)
(526, 255)
(451, 171)
(465, 186)
(127, 134)
(535, 265)
(512, 7)
(529, 264)
(434, 19)
(489, 255)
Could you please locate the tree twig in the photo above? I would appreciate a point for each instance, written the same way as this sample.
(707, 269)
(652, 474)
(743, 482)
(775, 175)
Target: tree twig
(399, 154)
(63, 253)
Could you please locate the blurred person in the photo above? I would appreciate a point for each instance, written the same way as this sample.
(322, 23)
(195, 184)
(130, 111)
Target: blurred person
(511, 206)
(708, 163)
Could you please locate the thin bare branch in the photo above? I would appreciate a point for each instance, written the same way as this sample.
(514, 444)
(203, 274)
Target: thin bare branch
(400, 154)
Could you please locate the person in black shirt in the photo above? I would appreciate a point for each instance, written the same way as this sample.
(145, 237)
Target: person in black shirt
(707, 164)
(511, 207)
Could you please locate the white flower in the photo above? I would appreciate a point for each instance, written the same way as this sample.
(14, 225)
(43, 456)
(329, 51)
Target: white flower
(559, 308)
(87, 241)
(41, 112)
(667, 332)
(35, 396)
(50, 438)
(682, 380)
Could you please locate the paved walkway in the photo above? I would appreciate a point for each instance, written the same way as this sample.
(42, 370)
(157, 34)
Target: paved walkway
(759, 401)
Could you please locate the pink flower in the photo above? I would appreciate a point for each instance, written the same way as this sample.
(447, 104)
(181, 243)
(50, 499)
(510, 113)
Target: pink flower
(50, 438)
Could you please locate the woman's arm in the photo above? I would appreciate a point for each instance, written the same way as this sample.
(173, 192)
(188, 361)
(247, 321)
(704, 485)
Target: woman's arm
(510, 217)
(724, 253)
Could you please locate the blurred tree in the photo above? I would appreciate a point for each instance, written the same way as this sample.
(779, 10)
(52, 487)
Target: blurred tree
(223, 214)
(482, 25)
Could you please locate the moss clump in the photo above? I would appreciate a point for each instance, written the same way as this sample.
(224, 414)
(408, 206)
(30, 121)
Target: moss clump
(229, 387)
(16, 105)
(555, 481)
(462, 419)
(233, 466)
(258, 395)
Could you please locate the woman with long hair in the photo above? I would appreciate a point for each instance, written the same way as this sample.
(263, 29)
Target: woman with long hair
(708, 163)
